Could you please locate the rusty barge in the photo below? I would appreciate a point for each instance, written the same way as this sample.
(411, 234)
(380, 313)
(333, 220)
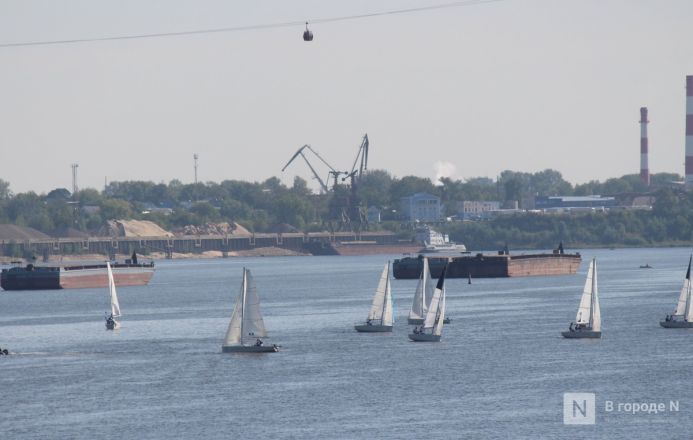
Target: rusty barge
(501, 265)
(75, 275)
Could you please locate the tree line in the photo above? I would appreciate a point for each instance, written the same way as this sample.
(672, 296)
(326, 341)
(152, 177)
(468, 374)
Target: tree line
(271, 206)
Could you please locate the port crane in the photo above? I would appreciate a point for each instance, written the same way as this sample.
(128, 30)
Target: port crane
(345, 206)
(331, 173)
(362, 155)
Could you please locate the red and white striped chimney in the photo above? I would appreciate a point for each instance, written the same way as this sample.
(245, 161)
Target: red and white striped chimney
(644, 167)
(689, 132)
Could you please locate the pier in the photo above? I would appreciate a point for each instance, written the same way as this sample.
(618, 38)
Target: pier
(316, 243)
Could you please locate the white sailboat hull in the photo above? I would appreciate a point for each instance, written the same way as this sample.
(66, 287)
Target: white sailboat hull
(373, 328)
(676, 324)
(424, 337)
(582, 334)
(249, 348)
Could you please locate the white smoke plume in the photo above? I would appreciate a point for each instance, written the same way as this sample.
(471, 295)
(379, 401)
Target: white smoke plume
(443, 169)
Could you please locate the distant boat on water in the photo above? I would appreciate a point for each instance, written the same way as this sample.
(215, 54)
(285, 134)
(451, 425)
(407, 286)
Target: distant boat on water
(432, 328)
(380, 317)
(435, 242)
(422, 296)
(247, 328)
(588, 321)
(683, 313)
(112, 321)
(76, 275)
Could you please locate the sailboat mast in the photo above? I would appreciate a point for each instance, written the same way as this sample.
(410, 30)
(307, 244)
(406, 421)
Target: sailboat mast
(387, 286)
(687, 309)
(594, 277)
(423, 287)
(245, 288)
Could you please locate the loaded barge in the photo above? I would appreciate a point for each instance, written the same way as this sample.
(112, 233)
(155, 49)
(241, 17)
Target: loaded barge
(75, 275)
(501, 265)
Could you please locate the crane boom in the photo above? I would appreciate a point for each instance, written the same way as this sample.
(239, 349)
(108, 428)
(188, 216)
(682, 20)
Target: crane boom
(363, 155)
(320, 157)
(323, 186)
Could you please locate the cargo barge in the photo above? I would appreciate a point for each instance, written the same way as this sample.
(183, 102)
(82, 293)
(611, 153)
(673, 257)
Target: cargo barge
(501, 265)
(75, 275)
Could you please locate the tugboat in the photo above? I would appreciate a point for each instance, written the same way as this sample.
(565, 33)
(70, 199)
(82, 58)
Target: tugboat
(435, 242)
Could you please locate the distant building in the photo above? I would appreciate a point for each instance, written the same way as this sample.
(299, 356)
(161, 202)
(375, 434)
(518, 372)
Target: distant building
(571, 202)
(422, 207)
(373, 214)
(643, 201)
(475, 210)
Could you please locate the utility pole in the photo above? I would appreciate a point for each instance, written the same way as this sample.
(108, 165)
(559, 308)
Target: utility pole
(74, 178)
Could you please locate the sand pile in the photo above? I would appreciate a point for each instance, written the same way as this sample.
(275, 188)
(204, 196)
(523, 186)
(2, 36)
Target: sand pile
(14, 232)
(133, 228)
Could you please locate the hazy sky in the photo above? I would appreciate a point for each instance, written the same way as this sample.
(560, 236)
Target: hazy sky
(515, 84)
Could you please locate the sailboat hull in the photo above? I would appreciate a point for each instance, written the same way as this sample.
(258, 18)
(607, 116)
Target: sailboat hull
(582, 334)
(249, 348)
(112, 325)
(419, 321)
(676, 324)
(424, 337)
(365, 328)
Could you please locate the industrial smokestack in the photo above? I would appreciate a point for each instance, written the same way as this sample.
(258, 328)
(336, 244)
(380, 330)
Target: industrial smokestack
(644, 167)
(689, 132)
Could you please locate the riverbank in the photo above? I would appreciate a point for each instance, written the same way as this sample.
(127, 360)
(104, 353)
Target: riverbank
(257, 252)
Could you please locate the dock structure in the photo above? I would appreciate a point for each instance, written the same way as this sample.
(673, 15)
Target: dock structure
(316, 243)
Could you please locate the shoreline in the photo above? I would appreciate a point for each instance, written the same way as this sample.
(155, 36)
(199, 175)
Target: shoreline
(159, 256)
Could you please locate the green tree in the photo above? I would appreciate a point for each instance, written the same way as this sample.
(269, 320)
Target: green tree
(374, 188)
(116, 209)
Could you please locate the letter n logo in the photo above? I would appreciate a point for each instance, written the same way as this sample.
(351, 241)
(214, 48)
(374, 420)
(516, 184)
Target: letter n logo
(578, 408)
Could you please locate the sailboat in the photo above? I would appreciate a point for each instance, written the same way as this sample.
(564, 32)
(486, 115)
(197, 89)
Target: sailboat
(112, 321)
(683, 314)
(247, 328)
(380, 317)
(588, 321)
(432, 327)
(422, 297)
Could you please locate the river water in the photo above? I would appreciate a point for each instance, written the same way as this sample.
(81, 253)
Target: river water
(499, 372)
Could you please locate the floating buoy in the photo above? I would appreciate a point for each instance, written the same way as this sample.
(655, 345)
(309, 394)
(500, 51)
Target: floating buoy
(307, 34)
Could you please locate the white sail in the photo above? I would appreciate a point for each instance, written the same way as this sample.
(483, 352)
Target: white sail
(683, 306)
(596, 323)
(683, 297)
(423, 294)
(378, 307)
(246, 320)
(388, 315)
(233, 333)
(115, 306)
(432, 312)
(253, 325)
(689, 305)
(583, 313)
(438, 329)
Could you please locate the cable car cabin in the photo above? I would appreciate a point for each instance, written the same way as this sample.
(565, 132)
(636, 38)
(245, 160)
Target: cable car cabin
(307, 34)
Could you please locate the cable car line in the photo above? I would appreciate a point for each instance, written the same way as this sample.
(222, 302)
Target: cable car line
(307, 34)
